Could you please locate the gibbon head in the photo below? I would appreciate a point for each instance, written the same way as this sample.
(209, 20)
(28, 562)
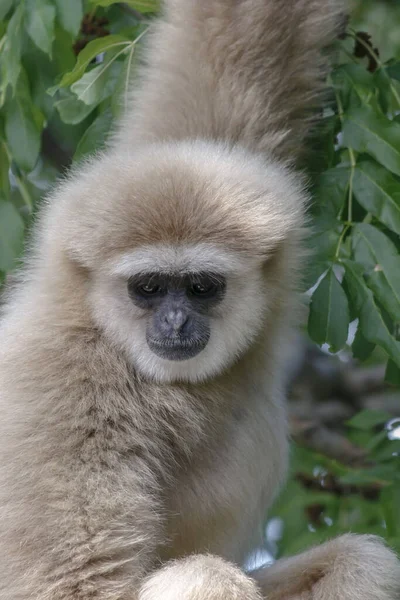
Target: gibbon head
(187, 248)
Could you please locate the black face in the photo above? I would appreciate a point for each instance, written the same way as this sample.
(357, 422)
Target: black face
(179, 307)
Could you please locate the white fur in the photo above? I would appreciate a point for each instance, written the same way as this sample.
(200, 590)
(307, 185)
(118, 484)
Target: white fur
(234, 323)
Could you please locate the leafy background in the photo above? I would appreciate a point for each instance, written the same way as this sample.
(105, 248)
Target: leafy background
(64, 72)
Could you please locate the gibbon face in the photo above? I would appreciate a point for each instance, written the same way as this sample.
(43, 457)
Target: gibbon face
(177, 318)
(179, 244)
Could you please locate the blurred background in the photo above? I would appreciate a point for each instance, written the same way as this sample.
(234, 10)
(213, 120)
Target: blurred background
(65, 73)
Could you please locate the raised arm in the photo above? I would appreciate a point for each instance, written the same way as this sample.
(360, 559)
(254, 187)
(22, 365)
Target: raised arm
(245, 71)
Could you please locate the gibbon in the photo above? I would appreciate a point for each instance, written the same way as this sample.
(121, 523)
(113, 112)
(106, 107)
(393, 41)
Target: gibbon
(142, 354)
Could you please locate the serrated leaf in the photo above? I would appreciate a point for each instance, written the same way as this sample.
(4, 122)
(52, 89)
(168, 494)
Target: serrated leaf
(70, 14)
(93, 49)
(22, 131)
(11, 235)
(371, 321)
(94, 136)
(368, 131)
(98, 84)
(5, 6)
(40, 18)
(328, 320)
(368, 419)
(379, 257)
(10, 57)
(378, 192)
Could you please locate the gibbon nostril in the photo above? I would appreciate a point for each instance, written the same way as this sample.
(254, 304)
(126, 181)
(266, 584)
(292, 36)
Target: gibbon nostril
(176, 319)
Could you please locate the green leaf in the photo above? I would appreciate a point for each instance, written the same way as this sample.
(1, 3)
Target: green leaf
(367, 131)
(371, 321)
(22, 131)
(368, 419)
(97, 84)
(378, 192)
(379, 257)
(392, 375)
(11, 235)
(390, 501)
(353, 79)
(5, 6)
(361, 348)
(70, 14)
(143, 6)
(72, 111)
(4, 171)
(394, 71)
(90, 52)
(328, 320)
(40, 17)
(10, 57)
(94, 136)
(387, 451)
(322, 245)
(331, 189)
(382, 474)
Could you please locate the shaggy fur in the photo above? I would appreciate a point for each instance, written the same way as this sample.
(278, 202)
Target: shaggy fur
(124, 476)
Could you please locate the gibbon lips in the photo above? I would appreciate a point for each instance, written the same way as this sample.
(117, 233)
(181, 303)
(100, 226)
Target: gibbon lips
(177, 349)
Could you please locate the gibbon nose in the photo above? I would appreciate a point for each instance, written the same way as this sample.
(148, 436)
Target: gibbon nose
(175, 320)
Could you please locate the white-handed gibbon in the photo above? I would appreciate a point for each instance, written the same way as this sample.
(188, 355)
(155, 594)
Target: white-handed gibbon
(142, 353)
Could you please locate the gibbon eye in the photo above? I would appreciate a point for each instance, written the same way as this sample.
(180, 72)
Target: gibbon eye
(148, 289)
(199, 289)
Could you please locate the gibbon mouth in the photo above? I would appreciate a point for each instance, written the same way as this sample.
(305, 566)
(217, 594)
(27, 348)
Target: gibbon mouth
(176, 350)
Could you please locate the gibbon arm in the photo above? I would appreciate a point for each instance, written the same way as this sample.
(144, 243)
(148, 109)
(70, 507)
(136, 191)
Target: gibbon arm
(350, 567)
(247, 71)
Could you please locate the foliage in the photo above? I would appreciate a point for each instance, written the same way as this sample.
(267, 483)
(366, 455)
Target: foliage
(64, 72)
(325, 498)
